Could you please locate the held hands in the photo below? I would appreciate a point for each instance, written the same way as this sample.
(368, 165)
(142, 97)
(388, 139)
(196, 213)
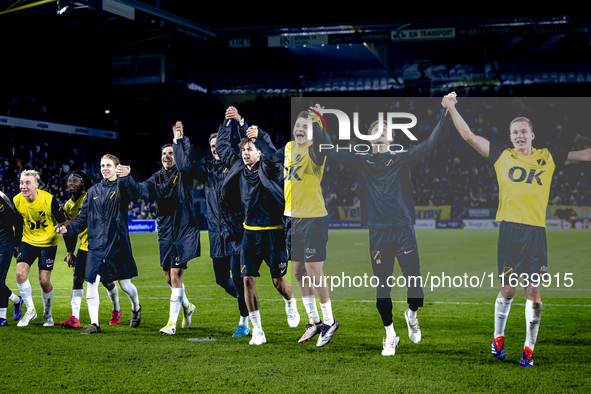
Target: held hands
(61, 229)
(449, 100)
(232, 113)
(317, 108)
(177, 130)
(122, 170)
(252, 133)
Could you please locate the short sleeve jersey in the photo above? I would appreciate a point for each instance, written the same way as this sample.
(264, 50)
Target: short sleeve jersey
(302, 178)
(524, 183)
(39, 224)
(72, 209)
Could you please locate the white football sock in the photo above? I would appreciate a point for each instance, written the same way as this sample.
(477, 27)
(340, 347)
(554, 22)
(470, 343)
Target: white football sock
(114, 297)
(131, 291)
(26, 294)
(327, 313)
(502, 308)
(533, 314)
(290, 303)
(92, 300)
(244, 321)
(76, 301)
(412, 314)
(255, 318)
(175, 304)
(47, 303)
(184, 299)
(310, 305)
(14, 298)
(3, 313)
(390, 332)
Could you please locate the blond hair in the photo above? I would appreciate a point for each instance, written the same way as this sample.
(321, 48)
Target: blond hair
(522, 119)
(32, 173)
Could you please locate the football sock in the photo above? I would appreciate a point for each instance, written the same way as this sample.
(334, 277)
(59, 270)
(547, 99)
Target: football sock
(184, 299)
(92, 300)
(311, 309)
(244, 321)
(390, 332)
(290, 303)
(327, 313)
(412, 314)
(533, 314)
(14, 298)
(255, 318)
(25, 290)
(502, 308)
(47, 303)
(3, 313)
(131, 291)
(175, 303)
(114, 297)
(76, 301)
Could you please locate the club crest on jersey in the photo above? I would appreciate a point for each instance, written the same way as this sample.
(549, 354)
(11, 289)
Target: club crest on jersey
(1, 207)
(541, 162)
(113, 195)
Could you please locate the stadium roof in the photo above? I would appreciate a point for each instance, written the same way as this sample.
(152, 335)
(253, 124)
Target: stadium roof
(229, 42)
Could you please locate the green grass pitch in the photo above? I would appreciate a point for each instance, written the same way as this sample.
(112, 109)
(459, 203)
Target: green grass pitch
(453, 356)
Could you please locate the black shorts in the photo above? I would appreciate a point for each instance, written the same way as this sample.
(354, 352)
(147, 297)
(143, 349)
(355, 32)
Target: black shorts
(259, 245)
(308, 238)
(80, 264)
(396, 243)
(46, 254)
(522, 249)
(173, 261)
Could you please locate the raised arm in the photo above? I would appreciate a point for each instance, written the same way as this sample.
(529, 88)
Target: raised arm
(318, 137)
(223, 146)
(578, 156)
(343, 156)
(481, 144)
(265, 145)
(419, 152)
(181, 150)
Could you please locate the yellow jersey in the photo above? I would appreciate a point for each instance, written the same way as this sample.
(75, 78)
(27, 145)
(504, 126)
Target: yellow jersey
(524, 185)
(39, 223)
(72, 209)
(302, 177)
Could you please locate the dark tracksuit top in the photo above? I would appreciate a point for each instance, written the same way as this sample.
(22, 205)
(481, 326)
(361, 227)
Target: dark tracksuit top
(104, 213)
(260, 189)
(385, 180)
(224, 225)
(178, 228)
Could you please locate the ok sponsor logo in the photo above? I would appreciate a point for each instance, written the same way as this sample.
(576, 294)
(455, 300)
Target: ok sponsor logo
(519, 174)
(292, 173)
(35, 225)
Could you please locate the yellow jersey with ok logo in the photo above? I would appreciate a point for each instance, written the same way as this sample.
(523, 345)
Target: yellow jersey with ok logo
(302, 177)
(524, 185)
(39, 224)
(72, 209)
